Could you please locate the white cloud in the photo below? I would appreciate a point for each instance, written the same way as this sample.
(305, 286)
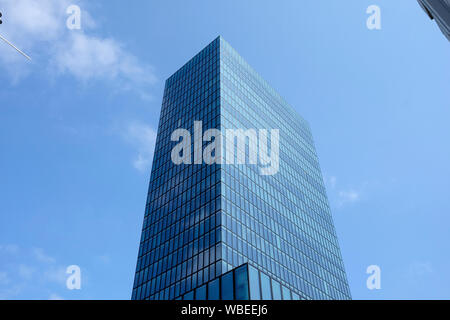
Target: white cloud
(9, 248)
(141, 163)
(419, 268)
(104, 259)
(142, 138)
(340, 196)
(4, 279)
(333, 181)
(33, 21)
(55, 296)
(87, 57)
(25, 271)
(29, 271)
(10, 292)
(30, 25)
(39, 28)
(349, 196)
(40, 255)
(55, 274)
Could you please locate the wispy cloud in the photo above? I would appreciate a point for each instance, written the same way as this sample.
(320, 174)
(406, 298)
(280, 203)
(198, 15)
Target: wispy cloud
(340, 196)
(55, 296)
(9, 249)
(419, 268)
(142, 137)
(332, 180)
(93, 58)
(39, 28)
(349, 196)
(55, 274)
(4, 279)
(41, 256)
(25, 271)
(103, 259)
(28, 270)
(10, 291)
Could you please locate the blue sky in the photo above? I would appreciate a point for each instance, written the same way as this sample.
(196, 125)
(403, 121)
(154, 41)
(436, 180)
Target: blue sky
(77, 130)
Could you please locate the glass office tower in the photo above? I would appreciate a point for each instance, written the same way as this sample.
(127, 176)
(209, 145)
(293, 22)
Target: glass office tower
(438, 10)
(225, 230)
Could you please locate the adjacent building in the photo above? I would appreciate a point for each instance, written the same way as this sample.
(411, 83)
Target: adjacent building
(227, 230)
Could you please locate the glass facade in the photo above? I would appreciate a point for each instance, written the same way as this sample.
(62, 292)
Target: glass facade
(438, 10)
(180, 243)
(211, 228)
(242, 283)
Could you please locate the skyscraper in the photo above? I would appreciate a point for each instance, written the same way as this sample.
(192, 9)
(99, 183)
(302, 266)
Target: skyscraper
(438, 10)
(230, 229)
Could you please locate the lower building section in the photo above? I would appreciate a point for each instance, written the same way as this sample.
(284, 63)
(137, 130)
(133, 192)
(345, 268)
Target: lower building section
(242, 283)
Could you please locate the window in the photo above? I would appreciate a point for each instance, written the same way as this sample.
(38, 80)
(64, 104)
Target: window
(265, 287)
(213, 290)
(276, 290)
(241, 283)
(189, 296)
(200, 293)
(286, 293)
(227, 286)
(254, 283)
